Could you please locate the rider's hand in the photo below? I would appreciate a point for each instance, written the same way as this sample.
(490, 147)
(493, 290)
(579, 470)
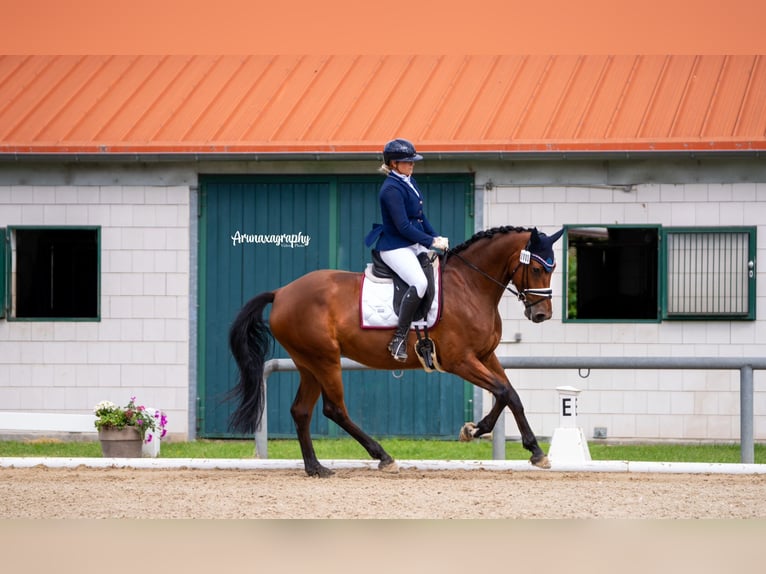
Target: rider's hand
(440, 244)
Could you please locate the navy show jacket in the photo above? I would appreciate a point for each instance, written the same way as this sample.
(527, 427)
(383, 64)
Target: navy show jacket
(404, 222)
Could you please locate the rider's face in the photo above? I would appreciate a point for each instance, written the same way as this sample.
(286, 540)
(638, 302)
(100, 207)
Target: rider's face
(404, 167)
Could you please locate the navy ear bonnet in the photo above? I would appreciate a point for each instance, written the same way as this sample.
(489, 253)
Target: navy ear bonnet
(540, 247)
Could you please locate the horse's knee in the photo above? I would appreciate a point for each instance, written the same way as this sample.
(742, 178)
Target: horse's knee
(510, 397)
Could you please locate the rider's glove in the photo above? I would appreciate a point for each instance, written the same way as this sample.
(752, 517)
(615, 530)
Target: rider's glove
(440, 244)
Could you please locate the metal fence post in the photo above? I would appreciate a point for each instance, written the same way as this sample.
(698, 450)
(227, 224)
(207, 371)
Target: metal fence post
(498, 438)
(261, 433)
(746, 431)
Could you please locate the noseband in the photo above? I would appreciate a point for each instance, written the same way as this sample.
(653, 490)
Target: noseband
(524, 259)
(542, 292)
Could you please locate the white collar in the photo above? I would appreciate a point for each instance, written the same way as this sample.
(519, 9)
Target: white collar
(406, 179)
(401, 176)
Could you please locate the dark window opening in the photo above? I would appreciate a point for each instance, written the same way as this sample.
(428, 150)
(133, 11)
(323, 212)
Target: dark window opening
(56, 273)
(612, 273)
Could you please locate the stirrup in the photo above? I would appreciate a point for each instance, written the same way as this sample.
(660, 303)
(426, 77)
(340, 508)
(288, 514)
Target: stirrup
(398, 348)
(425, 349)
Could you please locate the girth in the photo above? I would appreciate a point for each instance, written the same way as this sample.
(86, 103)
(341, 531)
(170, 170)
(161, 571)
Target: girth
(380, 269)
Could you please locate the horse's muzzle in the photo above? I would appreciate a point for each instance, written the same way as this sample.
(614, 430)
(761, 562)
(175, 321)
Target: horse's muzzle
(539, 312)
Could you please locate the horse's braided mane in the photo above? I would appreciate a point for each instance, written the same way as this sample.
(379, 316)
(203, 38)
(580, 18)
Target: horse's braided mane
(486, 234)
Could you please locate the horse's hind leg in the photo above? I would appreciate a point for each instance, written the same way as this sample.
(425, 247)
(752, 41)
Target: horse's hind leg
(335, 409)
(338, 414)
(301, 411)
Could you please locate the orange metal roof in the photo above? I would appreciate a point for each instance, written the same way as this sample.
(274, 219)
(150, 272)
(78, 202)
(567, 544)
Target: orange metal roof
(334, 103)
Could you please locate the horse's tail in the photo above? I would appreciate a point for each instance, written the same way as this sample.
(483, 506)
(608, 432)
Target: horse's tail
(250, 343)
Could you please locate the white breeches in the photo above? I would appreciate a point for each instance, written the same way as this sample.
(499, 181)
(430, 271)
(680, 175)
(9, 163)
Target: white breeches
(405, 262)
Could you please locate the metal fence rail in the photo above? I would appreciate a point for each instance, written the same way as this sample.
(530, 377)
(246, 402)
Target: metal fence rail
(745, 366)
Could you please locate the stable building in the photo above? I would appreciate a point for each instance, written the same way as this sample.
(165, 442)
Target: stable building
(144, 199)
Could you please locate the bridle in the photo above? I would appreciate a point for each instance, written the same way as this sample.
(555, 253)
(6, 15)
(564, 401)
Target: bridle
(525, 258)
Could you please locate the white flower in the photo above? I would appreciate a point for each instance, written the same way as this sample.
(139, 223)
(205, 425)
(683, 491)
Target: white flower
(104, 406)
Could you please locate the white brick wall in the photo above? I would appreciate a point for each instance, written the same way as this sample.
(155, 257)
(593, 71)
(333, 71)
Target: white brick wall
(140, 347)
(642, 404)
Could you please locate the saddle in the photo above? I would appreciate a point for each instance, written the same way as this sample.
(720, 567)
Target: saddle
(383, 271)
(425, 348)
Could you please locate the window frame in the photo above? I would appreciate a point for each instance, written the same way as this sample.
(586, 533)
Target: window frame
(750, 315)
(663, 273)
(565, 279)
(11, 271)
(5, 277)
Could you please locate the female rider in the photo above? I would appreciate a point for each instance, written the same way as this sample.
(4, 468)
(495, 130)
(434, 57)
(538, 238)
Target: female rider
(405, 233)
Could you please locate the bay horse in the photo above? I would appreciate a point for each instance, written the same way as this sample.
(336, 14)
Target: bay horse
(316, 319)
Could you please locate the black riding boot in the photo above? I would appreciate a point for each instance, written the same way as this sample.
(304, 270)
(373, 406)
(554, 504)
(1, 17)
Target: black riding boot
(410, 304)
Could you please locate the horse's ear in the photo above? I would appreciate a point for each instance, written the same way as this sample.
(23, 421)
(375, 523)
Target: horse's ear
(555, 236)
(535, 236)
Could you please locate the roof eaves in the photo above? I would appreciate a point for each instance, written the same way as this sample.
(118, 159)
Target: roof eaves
(344, 151)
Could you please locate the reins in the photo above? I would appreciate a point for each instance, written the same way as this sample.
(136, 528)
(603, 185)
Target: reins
(545, 292)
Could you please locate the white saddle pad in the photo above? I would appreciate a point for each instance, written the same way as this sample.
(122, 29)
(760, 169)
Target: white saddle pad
(376, 306)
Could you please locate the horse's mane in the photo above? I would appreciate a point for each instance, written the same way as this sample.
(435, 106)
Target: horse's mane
(486, 234)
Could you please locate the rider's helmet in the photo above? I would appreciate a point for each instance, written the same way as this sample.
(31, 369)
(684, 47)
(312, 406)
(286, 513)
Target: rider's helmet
(400, 150)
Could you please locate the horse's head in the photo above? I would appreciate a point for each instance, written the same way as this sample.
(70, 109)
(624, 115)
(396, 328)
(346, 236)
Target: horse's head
(529, 268)
(532, 275)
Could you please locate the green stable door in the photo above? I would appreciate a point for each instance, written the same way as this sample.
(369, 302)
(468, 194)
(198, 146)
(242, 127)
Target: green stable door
(258, 233)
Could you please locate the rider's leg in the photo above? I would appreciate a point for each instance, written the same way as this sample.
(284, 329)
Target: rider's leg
(410, 304)
(405, 263)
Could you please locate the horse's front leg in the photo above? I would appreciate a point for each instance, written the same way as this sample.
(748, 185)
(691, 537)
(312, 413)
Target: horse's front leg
(486, 425)
(491, 376)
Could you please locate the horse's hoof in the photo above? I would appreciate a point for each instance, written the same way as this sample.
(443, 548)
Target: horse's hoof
(389, 466)
(540, 461)
(467, 433)
(320, 472)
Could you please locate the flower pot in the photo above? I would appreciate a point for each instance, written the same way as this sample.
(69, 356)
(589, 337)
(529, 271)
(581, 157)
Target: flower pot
(120, 443)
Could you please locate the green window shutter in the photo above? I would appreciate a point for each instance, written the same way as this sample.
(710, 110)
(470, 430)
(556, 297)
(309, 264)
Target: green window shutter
(3, 266)
(709, 273)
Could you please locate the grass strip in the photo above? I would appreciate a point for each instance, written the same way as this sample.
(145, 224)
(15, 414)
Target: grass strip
(403, 449)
